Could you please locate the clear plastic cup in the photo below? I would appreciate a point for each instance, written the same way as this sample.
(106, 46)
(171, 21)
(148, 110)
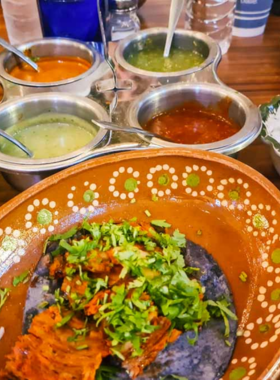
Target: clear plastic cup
(212, 17)
(22, 20)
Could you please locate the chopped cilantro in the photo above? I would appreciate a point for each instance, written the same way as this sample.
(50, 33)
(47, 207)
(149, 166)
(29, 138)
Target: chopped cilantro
(106, 372)
(66, 235)
(154, 198)
(83, 347)
(35, 59)
(4, 294)
(65, 320)
(79, 334)
(243, 276)
(43, 305)
(22, 278)
(70, 271)
(160, 223)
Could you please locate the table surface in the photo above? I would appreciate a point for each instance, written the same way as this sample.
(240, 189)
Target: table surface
(252, 66)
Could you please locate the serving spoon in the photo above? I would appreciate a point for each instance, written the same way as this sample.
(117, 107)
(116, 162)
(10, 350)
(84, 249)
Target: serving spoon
(114, 127)
(174, 15)
(19, 54)
(16, 142)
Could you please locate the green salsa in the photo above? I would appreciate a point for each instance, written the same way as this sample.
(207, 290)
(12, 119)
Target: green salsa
(49, 135)
(151, 58)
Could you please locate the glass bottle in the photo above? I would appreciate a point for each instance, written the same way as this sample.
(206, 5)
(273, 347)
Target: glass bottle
(123, 19)
(213, 17)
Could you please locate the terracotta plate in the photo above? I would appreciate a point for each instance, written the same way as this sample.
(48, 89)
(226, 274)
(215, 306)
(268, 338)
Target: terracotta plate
(236, 209)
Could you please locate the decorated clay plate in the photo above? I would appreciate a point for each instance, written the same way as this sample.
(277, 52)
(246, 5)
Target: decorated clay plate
(221, 205)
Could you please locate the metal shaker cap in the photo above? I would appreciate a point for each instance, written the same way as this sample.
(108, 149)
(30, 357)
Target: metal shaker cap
(123, 5)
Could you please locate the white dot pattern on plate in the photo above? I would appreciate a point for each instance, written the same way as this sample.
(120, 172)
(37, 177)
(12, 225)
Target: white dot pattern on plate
(162, 180)
(124, 183)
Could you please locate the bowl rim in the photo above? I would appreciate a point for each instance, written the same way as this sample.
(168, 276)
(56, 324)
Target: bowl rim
(273, 368)
(56, 41)
(14, 163)
(245, 136)
(214, 52)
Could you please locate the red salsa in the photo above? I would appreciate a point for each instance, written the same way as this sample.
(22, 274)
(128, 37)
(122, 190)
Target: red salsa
(192, 123)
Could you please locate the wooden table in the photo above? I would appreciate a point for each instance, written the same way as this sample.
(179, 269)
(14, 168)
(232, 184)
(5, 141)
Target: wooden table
(251, 66)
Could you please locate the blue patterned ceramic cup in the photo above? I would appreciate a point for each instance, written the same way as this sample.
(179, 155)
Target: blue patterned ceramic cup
(251, 17)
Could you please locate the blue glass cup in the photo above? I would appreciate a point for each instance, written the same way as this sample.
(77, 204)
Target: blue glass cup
(76, 19)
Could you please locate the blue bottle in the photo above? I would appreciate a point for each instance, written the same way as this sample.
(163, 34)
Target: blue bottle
(76, 19)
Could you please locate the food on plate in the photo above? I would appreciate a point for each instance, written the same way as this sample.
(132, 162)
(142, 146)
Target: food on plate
(49, 135)
(51, 69)
(193, 123)
(130, 293)
(150, 58)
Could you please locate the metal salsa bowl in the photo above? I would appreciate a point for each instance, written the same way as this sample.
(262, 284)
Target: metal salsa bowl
(24, 172)
(79, 85)
(241, 110)
(184, 39)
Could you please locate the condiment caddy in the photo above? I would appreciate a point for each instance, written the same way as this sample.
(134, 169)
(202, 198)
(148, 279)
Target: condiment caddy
(139, 93)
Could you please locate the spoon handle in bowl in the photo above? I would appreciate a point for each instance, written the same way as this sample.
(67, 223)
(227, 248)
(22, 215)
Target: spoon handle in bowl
(174, 15)
(18, 53)
(16, 142)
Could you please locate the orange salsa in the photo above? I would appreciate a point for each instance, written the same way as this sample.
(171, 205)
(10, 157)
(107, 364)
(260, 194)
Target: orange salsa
(52, 69)
(192, 123)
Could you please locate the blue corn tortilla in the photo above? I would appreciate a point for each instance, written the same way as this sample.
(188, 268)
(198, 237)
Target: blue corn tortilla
(208, 359)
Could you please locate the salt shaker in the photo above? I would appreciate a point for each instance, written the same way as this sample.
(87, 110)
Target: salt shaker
(123, 19)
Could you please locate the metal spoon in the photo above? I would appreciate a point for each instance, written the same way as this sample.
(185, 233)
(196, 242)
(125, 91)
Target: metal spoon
(16, 142)
(174, 15)
(18, 53)
(114, 127)
(108, 59)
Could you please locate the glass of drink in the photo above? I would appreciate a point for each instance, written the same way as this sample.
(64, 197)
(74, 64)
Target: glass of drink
(76, 19)
(22, 20)
(212, 17)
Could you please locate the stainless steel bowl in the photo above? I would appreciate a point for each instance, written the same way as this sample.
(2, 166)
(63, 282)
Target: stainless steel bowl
(189, 40)
(22, 173)
(79, 85)
(241, 110)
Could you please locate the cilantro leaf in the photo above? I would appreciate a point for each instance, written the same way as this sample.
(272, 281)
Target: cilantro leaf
(64, 236)
(160, 223)
(106, 372)
(65, 320)
(22, 278)
(4, 294)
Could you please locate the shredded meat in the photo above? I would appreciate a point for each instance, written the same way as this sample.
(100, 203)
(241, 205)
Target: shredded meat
(45, 354)
(94, 305)
(174, 335)
(156, 343)
(75, 285)
(98, 262)
(57, 267)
